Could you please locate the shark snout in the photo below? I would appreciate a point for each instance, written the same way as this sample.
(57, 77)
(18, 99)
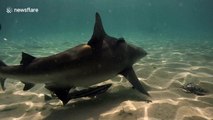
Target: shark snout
(141, 52)
(136, 52)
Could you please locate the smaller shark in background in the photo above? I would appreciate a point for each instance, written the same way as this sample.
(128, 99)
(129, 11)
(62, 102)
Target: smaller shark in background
(102, 58)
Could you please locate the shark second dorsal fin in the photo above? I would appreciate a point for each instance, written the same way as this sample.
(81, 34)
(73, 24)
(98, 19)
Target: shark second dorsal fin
(98, 34)
(26, 59)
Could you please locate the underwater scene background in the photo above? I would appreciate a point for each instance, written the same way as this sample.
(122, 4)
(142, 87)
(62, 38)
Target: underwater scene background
(177, 34)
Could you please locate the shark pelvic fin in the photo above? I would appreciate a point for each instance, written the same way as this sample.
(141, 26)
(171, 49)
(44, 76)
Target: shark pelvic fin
(98, 34)
(26, 59)
(61, 93)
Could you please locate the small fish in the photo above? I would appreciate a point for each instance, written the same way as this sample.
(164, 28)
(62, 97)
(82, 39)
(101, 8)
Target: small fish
(195, 89)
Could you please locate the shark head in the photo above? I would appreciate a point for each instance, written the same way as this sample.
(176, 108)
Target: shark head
(135, 53)
(128, 52)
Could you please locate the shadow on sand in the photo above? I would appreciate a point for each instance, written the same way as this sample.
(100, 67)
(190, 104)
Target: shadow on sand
(93, 108)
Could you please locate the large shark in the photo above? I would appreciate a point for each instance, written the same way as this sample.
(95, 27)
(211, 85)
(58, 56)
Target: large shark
(102, 58)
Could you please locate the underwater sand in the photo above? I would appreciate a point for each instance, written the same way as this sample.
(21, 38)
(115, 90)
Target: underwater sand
(168, 66)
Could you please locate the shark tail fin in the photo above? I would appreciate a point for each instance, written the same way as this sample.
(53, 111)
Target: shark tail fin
(2, 79)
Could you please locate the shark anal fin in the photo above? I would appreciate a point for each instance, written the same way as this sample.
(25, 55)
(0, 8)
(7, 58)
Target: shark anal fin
(28, 86)
(26, 59)
(130, 75)
(96, 40)
(61, 93)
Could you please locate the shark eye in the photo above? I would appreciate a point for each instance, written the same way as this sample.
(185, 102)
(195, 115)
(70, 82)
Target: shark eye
(121, 40)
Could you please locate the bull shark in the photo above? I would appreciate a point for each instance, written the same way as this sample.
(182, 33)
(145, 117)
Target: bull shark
(102, 58)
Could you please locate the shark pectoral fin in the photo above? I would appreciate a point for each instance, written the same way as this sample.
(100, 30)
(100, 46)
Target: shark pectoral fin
(26, 59)
(28, 86)
(60, 92)
(130, 75)
(98, 34)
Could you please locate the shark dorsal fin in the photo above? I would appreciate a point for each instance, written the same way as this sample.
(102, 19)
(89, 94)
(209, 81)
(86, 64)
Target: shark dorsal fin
(26, 59)
(98, 34)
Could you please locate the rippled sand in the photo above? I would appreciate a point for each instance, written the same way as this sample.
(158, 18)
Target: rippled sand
(168, 66)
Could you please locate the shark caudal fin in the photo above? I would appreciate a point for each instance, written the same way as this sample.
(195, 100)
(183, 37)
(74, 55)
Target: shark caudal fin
(2, 80)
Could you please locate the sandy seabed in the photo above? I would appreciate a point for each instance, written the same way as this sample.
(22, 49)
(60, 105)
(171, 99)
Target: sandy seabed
(167, 67)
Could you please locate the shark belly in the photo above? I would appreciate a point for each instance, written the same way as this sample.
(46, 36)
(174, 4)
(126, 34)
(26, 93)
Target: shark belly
(66, 78)
(83, 77)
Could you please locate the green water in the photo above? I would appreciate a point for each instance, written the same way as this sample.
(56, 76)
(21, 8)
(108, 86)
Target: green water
(177, 35)
(73, 20)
